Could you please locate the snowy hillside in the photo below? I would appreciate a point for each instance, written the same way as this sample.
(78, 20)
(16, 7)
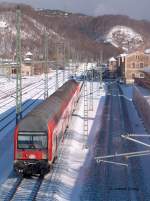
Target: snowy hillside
(124, 37)
(32, 34)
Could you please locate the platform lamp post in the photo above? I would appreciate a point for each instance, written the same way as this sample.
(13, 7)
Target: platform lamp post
(18, 67)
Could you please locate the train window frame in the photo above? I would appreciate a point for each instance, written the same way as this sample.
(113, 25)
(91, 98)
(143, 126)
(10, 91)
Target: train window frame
(33, 134)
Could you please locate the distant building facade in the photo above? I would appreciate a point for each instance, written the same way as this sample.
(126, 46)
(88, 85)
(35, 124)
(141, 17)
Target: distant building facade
(145, 81)
(134, 63)
(28, 68)
(112, 65)
(130, 65)
(121, 65)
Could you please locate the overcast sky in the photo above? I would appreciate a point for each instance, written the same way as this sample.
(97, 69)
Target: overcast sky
(139, 9)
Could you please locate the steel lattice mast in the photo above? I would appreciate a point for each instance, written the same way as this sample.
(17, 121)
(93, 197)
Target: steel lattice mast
(57, 61)
(46, 65)
(18, 67)
(64, 61)
(101, 61)
(91, 88)
(85, 107)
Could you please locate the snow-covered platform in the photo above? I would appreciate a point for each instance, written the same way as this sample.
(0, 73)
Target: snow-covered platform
(69, 180)
(141, 98)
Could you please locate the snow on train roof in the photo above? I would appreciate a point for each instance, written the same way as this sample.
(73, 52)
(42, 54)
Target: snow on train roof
(38, 118)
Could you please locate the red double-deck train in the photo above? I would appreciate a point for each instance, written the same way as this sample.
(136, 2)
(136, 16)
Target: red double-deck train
(38, 135)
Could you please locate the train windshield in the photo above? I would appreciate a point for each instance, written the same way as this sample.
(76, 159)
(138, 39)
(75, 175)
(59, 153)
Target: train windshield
(32, 141)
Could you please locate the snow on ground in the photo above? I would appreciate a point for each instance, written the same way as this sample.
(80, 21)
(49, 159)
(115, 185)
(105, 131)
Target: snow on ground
(3, 24)
(75, 158)
(32, 94)
(138, 128)
(74, 152)
(127, 91)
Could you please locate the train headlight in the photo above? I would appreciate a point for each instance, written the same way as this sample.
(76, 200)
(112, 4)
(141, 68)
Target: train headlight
(44, 156)
(19, 155)
(32, 156)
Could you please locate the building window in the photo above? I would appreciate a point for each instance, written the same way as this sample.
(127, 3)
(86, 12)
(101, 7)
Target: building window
(141, 65)
(141, 75)
(133, 75)
(137, 65)
(133, 65)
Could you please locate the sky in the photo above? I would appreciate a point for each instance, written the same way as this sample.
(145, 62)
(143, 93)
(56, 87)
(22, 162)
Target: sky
(139, 9)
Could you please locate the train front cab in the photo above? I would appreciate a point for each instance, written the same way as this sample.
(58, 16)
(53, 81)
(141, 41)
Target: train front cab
(31, 153)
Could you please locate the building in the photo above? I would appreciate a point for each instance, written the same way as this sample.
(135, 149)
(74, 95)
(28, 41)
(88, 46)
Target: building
(133, 65)
(121, 64)
(145, 81)
(112, 65)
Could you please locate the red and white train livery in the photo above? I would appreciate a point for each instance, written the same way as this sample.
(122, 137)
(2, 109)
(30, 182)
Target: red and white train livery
(39, 133)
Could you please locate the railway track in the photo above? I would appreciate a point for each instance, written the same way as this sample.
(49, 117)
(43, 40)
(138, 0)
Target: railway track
(21, 189)
(9, 117)
(25, 90)
(135, 172)
(11, 92)
(116, 184)
(34, 188)
(16, 188)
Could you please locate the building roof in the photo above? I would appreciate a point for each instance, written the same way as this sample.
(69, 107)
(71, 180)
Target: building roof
(28, 54)
(27, 59)
(112, 59)
(123, 55)
(147, 51)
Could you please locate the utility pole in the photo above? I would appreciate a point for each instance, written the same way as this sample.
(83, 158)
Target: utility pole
(64, 61)
(98, 76)
(57, 59)
(46, 65)
(18, 67)
(69, 58)
(101, 61)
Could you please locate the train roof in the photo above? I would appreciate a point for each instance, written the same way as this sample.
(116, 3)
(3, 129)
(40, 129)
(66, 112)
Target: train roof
(49, 109)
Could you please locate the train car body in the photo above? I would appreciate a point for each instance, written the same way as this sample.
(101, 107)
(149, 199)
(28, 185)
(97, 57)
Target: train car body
(38, 135)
